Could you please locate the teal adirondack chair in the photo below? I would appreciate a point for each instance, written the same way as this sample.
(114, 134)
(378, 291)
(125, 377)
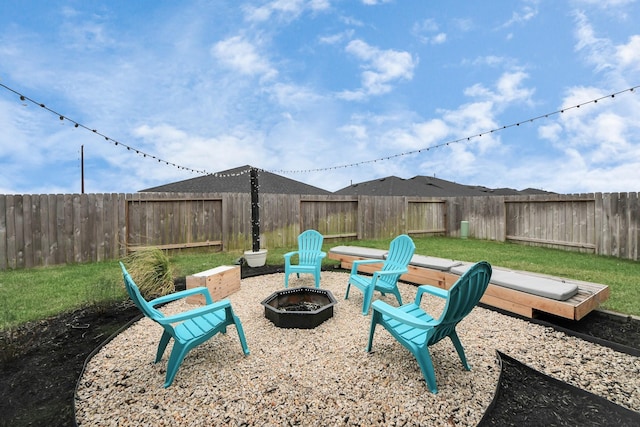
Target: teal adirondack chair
(188, 329)
(417, 330)
(385, 280)
(310, 257)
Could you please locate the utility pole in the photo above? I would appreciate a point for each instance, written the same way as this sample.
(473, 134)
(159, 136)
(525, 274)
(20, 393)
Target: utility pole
(82, 168)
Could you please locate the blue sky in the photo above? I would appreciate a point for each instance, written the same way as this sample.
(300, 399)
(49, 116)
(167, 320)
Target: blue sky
(327, 92)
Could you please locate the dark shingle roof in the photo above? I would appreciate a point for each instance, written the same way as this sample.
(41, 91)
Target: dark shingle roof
(389, 186)
(237, 180)
(424, 186)
(418, 186)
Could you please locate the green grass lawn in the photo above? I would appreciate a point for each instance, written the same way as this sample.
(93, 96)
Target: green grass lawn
(34, 294)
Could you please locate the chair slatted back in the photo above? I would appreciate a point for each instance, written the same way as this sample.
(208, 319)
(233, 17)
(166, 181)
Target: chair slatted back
(309, 245)
(464, 295)
(401, 251)
(137, 298)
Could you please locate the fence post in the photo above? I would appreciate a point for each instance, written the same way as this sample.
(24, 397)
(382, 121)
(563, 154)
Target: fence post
(255, 211)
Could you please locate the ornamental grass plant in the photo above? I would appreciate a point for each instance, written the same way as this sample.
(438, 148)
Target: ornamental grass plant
(151, 269)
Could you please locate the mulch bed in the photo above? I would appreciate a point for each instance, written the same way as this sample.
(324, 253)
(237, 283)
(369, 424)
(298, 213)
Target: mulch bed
(40, 364)
(528, 398)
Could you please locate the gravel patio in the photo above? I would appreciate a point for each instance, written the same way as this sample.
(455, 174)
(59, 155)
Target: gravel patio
(304, 377)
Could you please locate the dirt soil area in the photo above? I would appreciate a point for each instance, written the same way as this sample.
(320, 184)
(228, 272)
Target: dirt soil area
(40, 364)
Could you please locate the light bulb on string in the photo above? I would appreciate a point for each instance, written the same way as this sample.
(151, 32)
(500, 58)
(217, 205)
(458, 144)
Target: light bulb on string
(24, 100)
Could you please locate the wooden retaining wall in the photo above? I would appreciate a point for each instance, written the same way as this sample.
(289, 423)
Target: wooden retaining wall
(49, 229)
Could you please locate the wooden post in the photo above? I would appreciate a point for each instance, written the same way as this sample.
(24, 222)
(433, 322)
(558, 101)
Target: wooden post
(82, 169)
(255, 211)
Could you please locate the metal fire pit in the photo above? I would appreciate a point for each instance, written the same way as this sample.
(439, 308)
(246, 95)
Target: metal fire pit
(302, 308)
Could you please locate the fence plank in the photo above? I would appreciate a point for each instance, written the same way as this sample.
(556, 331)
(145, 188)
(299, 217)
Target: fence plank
(3, 232)
(49, 243)
(55, 229)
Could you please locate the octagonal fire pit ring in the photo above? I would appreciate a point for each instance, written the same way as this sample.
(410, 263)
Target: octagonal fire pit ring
(301, 308)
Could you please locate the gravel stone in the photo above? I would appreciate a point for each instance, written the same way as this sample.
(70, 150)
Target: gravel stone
(323, 376)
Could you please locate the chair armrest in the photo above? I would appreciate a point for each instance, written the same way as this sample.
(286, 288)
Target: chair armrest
(356, 263)
(368, 261)
(320, 256)
(389, 272)
(289, 254)
(433, 290)
(182, 294)
(190, 314)
(402, 317)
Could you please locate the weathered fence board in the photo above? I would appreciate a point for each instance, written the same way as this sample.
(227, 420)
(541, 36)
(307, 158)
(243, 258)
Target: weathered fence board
(65, 228)
(173, 222)
(567, 222)
(426, 216)
(3, 233)
(332, 218)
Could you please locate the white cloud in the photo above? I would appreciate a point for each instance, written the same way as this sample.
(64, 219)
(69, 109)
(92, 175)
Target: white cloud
(473, 119)
(605, 4)
(598, 50)
(439, 38)
(425, 30)
(355, 131)
(375, 2)
(430, 131)
(628, 55)
(336, 38)
(286, 10)
(289, 8)
(598, 141)
(463, 24)
(519, 17)
(381, 68)
(184, 148)
(319, 5)
(241, 55)
(508, 89)
(550, 131)
(213, 91)
(294, 96)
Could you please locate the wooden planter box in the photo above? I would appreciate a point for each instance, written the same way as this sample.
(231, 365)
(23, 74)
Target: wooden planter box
(221, 281)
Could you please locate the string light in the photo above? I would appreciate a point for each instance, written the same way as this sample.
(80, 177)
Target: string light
(460, 140)
(95, 131)
(348, 165)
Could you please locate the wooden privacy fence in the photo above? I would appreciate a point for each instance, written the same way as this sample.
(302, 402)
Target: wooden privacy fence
(53, 229)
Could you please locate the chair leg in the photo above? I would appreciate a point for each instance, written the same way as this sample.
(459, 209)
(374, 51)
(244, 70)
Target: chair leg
(175, 360)
(346, 294)
(366, 303)
(164, 340)
(458, 345)
(426, 366)
(396, 292)
(243, 340)
(375, 318)
(317, 277)
(286, 280)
